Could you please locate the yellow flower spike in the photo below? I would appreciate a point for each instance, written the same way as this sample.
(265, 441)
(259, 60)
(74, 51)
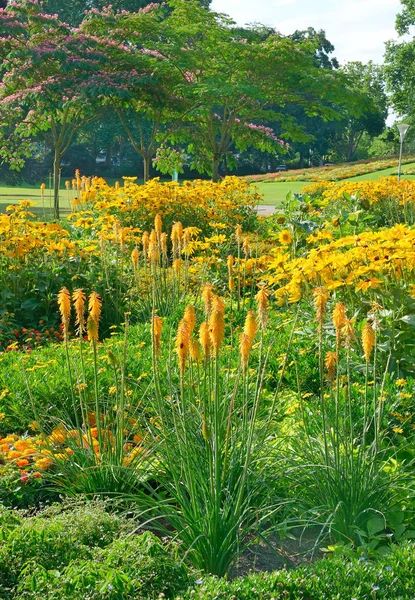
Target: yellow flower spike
(182, 344)
(339, 320)
(262, 304)
(64, 303)
(217, 324)
(134, 257)
(153, 237)
(179, 230)
(368, 340)
(177, 265)
(190, 317)
(230, 261)
(94, 306)
(330, 362)
(156, 329)
(204, 339)
(195, 350)
(145, 241)
(349, 333)
(158, 225)
(251, 325)
(245, 347)
(231, 284)
(207, 296)
(238, 234)
(246, 248)
(79, 298)
(320, 300)
(163, 243)
(92, 329)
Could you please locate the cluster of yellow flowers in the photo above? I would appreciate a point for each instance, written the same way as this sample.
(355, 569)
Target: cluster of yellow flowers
(370, 260)
(386, 188)
(21, 235)
(195, 201)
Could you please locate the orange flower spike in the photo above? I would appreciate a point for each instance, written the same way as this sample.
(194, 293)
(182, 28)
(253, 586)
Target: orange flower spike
(92, 329)
(251, 325)
(64, 303)
(368, 340)
(79, 298)
(94, 306)
(157, 327)
(245, 347)
(145, 241)
(177, 264)
(195, 350)
(204, 339)
(262, 304)
(158, 225)
(163, 242)
(217, 324)
(246, 248)
(230, 261)
(339, 319)
(190, 317)
(179, 229)
(238, 234)
(320, 300)
(134, 257)
(330, 362)
(207, 296)
(182, 344)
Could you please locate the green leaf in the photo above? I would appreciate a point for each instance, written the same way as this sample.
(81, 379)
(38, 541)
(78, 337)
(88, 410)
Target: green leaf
(375, 525)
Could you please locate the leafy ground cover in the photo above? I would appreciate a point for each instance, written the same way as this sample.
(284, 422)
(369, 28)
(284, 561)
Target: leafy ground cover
(79, 550)
(220, 378)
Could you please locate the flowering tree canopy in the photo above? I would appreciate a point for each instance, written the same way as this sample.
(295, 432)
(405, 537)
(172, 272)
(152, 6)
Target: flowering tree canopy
(232, 81)
(53, 80)
(147, 116)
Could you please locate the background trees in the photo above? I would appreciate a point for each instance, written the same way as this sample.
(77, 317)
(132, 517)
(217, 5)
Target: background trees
(176, 74)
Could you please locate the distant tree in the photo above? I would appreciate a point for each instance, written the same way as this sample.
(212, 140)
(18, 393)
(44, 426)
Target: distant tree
(239, 83)
(323, 48)
(366, 83)
(400, 64)
(406, 18)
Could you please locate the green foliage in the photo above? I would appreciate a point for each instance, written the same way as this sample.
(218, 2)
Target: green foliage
(52, 539)
(389, 578)
(80, 550)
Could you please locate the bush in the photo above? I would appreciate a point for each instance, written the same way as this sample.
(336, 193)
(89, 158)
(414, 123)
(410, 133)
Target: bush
(131, 567)
(52, 539)
(391, 578)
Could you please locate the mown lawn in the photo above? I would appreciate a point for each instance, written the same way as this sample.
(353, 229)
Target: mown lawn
(273, 192)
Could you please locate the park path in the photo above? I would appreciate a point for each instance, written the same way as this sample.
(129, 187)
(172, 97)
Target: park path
(264, 210)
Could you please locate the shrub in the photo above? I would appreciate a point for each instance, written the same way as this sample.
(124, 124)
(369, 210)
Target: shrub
(390, 578)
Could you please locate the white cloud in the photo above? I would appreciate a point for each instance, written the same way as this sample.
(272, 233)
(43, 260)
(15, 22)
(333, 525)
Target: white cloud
(358, 28)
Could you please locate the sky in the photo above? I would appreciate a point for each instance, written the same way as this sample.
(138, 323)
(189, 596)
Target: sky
(357, 28)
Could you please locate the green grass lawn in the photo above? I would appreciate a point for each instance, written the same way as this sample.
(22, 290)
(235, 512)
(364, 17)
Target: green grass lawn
(273, 192)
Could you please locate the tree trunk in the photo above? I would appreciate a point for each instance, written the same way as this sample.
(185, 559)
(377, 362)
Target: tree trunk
(56, 182)
(146, 162)
(215, 170)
